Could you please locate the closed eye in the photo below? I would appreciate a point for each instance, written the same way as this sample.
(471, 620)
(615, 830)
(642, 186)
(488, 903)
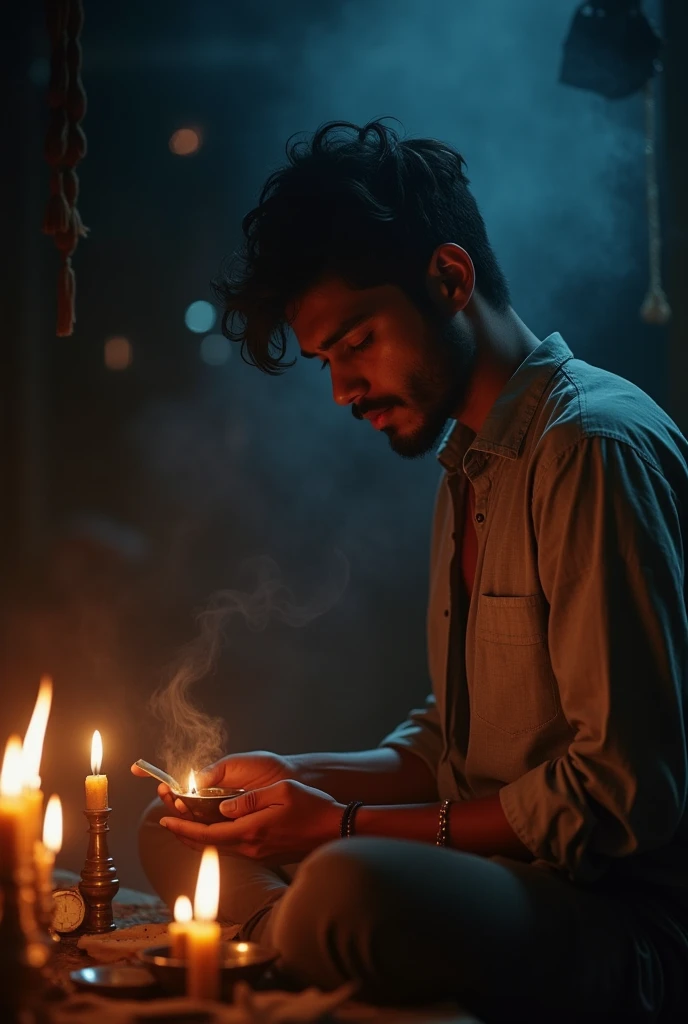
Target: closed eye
(362, 344)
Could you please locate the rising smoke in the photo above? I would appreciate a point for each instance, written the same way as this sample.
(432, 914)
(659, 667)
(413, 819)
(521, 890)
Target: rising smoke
(190, 737)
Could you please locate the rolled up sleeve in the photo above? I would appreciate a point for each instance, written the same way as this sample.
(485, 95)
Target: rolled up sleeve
(611, 565)
(420, 734)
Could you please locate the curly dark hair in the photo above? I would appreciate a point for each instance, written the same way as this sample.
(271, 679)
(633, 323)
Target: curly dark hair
(354, 202)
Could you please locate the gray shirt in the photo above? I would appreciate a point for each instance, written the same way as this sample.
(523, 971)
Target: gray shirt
(561, 684)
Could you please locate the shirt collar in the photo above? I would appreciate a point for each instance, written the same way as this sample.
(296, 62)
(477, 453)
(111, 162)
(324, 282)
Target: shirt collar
(507, 423)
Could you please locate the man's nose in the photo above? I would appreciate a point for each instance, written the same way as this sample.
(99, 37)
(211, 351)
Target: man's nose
(346, 388)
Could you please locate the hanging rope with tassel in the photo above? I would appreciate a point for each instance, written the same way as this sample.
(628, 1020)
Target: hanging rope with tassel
(655, 308)
(65, 146)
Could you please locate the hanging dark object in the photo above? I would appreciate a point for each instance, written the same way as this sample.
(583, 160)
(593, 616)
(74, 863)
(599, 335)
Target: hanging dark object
(655, 308)
(611, 49)
(65, 146)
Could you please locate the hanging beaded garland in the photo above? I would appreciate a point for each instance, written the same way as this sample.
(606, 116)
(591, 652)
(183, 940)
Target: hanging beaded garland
(655, 308)
(65, 146)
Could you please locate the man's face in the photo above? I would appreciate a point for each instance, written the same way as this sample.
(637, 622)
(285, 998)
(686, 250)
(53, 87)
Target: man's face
(403, 371)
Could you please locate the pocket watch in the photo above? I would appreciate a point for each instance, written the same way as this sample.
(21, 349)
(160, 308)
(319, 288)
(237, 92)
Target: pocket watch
(69, 911)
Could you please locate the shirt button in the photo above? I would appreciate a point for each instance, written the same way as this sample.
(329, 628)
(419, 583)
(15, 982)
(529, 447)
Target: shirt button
(446, 613)
(479, 517)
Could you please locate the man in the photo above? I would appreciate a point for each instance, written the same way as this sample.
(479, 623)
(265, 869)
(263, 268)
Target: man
(523, 839)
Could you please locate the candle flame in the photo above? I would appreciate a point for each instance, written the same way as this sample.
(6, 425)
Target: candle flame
(192, 783)
(12, 775)
(183, 911)
(52, 825)
(242, 947)
(207, 896)
(96, 753)
(35, 734)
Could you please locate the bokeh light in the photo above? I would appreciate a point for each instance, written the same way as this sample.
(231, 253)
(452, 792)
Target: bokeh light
(200, 317)
(118, 353)
(215, 350)
(185, 141)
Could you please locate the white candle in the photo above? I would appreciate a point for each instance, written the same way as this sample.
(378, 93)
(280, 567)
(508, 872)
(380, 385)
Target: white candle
(203, 934)
(12, 807)
(177, 930)
(96, 784)
(45, 853)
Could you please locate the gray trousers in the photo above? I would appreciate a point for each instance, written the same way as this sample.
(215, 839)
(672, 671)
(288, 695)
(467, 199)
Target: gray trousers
(411, 922)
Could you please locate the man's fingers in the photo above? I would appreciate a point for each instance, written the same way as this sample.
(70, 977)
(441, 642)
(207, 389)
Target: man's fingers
(182, 810)
(194, 830)
(254, 800)
(212, 774)
(209, 835)
(192, 844)
(227, 835)
(175, 806)
(164, 791)
(165, 794)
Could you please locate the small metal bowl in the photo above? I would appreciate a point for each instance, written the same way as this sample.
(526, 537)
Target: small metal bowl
(205, 803)
(119, 981)
(250, 963)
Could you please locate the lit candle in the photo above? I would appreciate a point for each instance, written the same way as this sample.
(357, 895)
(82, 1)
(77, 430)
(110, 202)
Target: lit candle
(192, 784)
(177, 930)
(32, 752)
(45, 852)
(96, 784)
(203, 934)
(12, 808)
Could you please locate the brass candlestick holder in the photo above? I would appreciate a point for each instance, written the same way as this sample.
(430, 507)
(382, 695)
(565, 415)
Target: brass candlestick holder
(99, 882)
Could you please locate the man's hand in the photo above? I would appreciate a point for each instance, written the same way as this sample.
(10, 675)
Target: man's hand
(277, 824)
(235, 771)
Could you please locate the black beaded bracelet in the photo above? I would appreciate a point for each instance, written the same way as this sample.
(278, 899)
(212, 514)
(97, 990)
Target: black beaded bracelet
(443, 824)
(347, 826)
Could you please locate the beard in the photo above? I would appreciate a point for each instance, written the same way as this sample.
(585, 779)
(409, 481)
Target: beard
(436, 388)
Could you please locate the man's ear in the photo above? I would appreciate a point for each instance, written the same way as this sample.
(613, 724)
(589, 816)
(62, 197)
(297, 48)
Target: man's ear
(451, 277)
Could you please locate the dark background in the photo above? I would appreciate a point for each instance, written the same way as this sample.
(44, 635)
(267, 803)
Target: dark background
(131, 496)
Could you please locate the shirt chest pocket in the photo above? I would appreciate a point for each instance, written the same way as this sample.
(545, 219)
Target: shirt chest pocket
(513, 686)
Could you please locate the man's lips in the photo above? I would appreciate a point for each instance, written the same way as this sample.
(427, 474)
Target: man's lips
(378, 418)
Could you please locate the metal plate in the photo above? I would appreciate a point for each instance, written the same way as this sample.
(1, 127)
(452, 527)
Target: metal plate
(119, 981)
